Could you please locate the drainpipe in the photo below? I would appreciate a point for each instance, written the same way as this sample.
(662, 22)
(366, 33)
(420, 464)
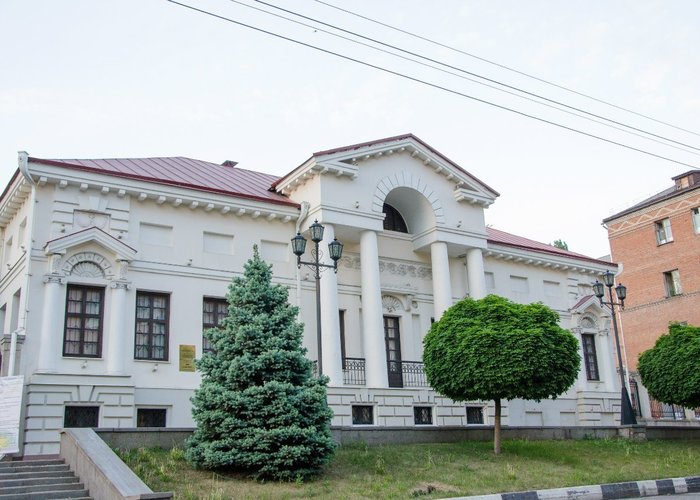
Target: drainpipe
(304, 211)
(22, 161)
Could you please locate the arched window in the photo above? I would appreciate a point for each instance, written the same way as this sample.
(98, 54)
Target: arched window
(393, 220)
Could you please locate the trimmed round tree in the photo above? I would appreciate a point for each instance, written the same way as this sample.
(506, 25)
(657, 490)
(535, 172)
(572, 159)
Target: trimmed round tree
(494, 349)
(671, 369)
(259, 409)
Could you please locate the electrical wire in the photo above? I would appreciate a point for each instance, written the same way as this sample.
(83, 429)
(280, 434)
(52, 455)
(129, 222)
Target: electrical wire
(452, 73)
(508, 68)
(430, 84)
(491, 80)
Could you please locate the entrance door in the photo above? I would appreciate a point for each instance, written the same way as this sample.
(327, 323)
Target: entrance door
(392, 338)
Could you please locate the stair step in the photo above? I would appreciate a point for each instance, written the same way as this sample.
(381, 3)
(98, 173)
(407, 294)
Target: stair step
(33, 468)
(38, 488)
(38, 475)
(7, 483)
(22, 463)
(46, 495)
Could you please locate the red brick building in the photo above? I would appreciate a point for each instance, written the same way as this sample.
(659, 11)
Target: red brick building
(657, 244)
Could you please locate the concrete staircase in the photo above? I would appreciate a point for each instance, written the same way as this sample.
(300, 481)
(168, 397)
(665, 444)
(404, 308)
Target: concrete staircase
(39, 480)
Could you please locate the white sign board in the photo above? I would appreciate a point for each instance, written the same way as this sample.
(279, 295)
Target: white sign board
(10, 406)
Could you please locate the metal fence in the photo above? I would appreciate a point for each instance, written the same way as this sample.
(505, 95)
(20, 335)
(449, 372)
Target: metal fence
(413, 374)
(354, 371)
(661, 410)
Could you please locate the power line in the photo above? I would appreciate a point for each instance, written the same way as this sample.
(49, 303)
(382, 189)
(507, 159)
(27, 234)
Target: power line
(476, 75)
(443, 70)
(508, 68)
(424, 82)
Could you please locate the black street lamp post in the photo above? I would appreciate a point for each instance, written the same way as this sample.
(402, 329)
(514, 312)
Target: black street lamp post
(335, 251)
(627, 413)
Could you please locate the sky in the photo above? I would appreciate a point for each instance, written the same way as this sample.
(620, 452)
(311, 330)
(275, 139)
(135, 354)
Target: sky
(143, 78)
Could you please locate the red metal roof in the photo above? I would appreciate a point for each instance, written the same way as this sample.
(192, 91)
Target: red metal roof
(184, 172)
(502, 238)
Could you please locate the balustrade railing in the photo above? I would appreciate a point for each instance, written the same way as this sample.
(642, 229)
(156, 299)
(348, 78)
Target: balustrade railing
(354, 371)
(401, 373)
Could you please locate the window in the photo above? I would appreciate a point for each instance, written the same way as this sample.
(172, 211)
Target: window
(475, 415)
(152, 311)
(362, 415)
(81, 416)
(696, 219)
(663, 231)
(393, 220)
(341, 323)
(150, 417)
(423, 415)
(590, 359)
(672, 280)
(82, 335)
(213, 313)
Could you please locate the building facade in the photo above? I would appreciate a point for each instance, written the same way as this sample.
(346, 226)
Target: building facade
(113, 268)
(657, 244)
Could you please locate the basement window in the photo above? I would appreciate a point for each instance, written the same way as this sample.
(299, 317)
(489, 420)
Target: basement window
(475, 415)
(362, 415)
(150, 417)
(423, 415)
(81, 416)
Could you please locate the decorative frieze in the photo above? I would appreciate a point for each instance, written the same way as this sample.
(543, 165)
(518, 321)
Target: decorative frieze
(391, 267)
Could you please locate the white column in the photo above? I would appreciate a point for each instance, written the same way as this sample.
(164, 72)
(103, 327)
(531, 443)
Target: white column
(475, 274)
(442, 287)
(330, 322)
(372, 322)
(118, 337)
(50, 348)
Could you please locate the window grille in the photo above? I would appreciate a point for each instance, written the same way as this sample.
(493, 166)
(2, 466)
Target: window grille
(81, 416)
(423, 415)
(475, 415)
(362, 415)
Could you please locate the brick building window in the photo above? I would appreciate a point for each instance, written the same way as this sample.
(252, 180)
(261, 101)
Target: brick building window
(82, 335)
(590, 358)
(696, 219)
(213, 313)
(423, 415)
(663, 231)
(362, 415)
(672, 280)
(152, 312)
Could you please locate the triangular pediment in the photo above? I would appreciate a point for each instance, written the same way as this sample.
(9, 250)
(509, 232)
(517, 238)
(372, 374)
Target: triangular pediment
(91, 235)
(347, 161)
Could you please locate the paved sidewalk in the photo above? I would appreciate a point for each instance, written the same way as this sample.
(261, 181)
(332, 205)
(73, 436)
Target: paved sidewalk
(681, 487)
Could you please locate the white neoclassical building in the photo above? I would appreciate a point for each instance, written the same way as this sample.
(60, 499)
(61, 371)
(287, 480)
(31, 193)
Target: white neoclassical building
(111, 269)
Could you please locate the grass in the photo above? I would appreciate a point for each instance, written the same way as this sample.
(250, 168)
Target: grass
(434, 470)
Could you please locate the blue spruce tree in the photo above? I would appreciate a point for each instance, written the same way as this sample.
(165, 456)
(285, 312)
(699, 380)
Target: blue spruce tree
(259, 409)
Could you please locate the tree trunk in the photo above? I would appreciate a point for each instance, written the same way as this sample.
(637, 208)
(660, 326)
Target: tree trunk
(497, 428)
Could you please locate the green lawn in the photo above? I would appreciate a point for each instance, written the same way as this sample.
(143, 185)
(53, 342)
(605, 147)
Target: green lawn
(468, 468)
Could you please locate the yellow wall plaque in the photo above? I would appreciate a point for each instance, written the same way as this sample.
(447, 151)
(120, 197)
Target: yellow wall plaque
(187, 355)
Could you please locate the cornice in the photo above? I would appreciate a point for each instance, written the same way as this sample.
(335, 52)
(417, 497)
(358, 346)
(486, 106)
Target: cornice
(538, 259)
(162, 194)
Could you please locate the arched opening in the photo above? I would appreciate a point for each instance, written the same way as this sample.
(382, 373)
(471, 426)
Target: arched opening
(393, 220)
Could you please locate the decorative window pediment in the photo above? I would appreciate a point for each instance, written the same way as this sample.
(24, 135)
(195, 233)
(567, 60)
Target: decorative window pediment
(61, 245)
